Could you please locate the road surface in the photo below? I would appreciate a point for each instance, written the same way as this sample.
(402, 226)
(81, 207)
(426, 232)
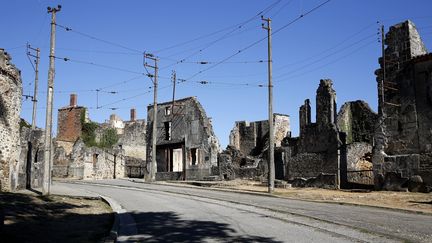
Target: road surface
(163, 213)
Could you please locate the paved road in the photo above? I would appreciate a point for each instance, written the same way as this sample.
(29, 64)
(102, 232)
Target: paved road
(163, 213)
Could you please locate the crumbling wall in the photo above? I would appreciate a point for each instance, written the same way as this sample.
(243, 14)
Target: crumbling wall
(315, 151)
(32, 160)
(133, 139)
(403, 141)
(96, 163)
(251, 138)
(358, 122)
(10, 108)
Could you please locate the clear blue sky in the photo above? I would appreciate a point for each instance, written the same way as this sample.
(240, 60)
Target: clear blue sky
(337, 41)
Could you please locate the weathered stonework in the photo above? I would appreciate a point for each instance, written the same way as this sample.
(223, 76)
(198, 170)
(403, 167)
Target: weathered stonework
(358, 123)
(95, 163)
(251, 138)
(315, 151)
(187, 147)
(404, 140)
(10, 108)
(31, 163)
(73, 159)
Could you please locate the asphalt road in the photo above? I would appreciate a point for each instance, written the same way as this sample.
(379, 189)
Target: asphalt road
(162, 213)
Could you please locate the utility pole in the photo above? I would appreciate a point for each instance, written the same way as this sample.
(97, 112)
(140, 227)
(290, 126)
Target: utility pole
(381, 110)
(49, 109)
(174, 80)
(36, 69)
(271, 166)
(153, 165)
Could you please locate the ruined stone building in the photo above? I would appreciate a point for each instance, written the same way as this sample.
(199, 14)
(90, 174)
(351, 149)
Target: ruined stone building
(21, 149)
(403, 143)
(336, 148)
(246, 154)
(85, 149)
(316, 151)
(186, 145)
(250, 138)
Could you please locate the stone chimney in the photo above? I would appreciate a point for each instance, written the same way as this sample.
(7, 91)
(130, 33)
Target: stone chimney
(73, 100)
(133, 114)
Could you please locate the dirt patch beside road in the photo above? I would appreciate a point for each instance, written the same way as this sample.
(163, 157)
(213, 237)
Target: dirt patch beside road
(34, 218)
(417, 202)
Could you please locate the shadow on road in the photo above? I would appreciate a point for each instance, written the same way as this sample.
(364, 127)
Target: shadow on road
(169, 227)
(34, 218)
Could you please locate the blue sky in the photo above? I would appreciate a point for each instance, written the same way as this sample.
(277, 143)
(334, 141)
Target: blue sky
(337, 41)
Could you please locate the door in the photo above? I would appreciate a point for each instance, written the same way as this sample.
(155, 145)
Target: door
(177, 160)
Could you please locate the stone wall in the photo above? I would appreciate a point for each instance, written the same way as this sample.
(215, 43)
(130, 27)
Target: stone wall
(316, 151)
(10, 108)
(96, 163)
(404, 140)
(358, 123)
(133, 139)
(251, 138)
(30, 168)
(357, 120)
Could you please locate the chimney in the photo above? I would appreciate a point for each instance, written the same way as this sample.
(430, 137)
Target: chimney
(133, 114)
(73, 100)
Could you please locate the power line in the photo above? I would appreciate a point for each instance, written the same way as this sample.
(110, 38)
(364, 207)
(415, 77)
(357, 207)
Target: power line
(99, 39)
(328, 49)
(308, 64)
(327, 64)
(218, 31)
(226, 35)
(67, 59)
(260, 40)
(100, 51)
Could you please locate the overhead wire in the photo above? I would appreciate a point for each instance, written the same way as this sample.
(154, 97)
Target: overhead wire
(308, 64)
(218, 31)
(327, 64)
(260, 40)
(99, 39)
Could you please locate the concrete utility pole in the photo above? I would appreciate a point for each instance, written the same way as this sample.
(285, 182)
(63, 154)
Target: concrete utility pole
(174, 80)
(271, 166)
(381, 110)
(49, 109)
(153, 165)
(36, 69)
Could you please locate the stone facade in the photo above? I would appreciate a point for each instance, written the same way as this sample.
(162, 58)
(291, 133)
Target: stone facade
(10, 108)
(404, 140)
(187, 147)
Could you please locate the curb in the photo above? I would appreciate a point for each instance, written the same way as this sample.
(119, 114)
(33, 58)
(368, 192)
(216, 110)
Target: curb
(116, 225)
